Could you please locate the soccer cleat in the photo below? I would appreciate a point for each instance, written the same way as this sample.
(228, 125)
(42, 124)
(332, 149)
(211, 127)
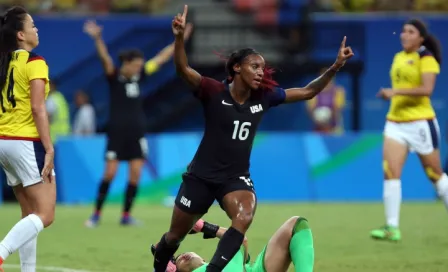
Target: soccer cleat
(1, 263)
(93, 221)
(386, 233)
(130, 221)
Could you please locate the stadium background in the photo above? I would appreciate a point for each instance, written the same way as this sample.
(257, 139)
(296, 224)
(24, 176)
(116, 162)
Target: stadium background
(290, 163)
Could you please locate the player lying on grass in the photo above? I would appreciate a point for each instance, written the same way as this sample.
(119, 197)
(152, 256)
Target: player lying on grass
(293, 241)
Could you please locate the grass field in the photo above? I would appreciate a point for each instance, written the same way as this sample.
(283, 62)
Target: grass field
(340, 232)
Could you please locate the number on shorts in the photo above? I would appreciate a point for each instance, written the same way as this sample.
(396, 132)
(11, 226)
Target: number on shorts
(248, 181)
(240, 132)
(9, 92)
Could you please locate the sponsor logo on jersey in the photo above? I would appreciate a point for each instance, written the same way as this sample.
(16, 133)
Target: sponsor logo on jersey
(185, 201)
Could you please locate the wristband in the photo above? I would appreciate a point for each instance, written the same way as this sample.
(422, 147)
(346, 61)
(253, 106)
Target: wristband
(209, 230)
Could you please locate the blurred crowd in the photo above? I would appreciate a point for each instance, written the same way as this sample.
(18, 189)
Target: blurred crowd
(379, 5)
(87, 6)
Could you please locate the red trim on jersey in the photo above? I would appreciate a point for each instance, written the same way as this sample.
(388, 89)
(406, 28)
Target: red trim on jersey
(20, 138)
(35, 58)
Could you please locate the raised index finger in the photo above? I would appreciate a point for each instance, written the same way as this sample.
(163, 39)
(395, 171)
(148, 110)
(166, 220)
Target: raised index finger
(343, 42)
(184, 15)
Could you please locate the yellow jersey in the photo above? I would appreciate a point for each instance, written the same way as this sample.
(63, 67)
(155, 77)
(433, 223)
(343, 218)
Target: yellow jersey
(406, 73)
(16, 118)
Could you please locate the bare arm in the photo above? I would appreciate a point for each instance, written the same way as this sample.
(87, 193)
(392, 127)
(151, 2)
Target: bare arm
(313, 88)
(426, 89)
(166, 53)
(187, 73)
(40, 113)
(192, 77)
(94, 31)
(316, 86)
(103, 53)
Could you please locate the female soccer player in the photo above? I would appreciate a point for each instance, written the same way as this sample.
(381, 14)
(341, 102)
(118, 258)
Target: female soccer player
(411, 122)
(26, 150)
(220, 168)
(126, 133)
(292, 242)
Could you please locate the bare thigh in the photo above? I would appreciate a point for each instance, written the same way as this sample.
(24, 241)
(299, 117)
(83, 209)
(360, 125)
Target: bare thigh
(25, 205)
(42, 197)
(277, 257)
(432, 165)
(394, 157)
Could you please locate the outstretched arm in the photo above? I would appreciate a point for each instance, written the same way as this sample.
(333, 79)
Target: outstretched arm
(316, 86)
(94, 31)
(166, 53)
(192, 77)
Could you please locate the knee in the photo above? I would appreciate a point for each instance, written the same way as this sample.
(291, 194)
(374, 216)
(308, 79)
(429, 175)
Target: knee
(47, 218)
(243, 220)
(389, 171)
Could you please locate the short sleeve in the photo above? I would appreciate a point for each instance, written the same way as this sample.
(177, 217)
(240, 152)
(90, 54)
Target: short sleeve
(428, 64)
(276, 97)
(37, 68)
(208, 87)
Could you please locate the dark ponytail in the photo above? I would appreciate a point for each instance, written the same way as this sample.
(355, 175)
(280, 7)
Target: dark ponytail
(433, 45)
(430, 41)
(10, 23)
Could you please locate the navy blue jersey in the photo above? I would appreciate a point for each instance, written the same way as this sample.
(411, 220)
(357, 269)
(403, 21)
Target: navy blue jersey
(230, 130)
(126, 102)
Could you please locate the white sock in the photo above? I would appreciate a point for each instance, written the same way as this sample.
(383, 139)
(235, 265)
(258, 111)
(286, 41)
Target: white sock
(24, 231)
(442, 189)
(28, 256)
(392, 201)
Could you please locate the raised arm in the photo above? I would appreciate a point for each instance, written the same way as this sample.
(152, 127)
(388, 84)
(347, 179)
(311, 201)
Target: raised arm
(94, 31)
(316, 86)
(166, 53)
(192, 77)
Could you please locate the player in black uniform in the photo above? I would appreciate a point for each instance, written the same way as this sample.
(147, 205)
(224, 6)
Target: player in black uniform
(125, 136)
(220, 169)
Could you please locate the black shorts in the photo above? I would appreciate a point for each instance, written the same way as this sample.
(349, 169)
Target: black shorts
(126, 145)
(196, 195)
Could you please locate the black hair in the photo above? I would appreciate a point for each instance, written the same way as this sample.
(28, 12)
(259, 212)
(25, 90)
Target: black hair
(130, 55)
(237, 57)
(429, 40)
(11, 22)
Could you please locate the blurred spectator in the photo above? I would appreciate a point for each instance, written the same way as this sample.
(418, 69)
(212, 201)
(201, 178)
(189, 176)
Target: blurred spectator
(326, 109)
(84, 123)
(58, 113)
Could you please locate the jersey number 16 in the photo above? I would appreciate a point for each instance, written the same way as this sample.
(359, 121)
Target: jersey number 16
(240, 132)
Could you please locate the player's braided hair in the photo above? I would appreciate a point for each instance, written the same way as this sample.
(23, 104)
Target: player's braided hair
(10, 23)
(238, 57)
(430, 41)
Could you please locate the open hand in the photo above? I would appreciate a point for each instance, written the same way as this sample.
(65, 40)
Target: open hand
(385, 93)
(344, 54)
(48, 169)
(179, 22)
(92, 29)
